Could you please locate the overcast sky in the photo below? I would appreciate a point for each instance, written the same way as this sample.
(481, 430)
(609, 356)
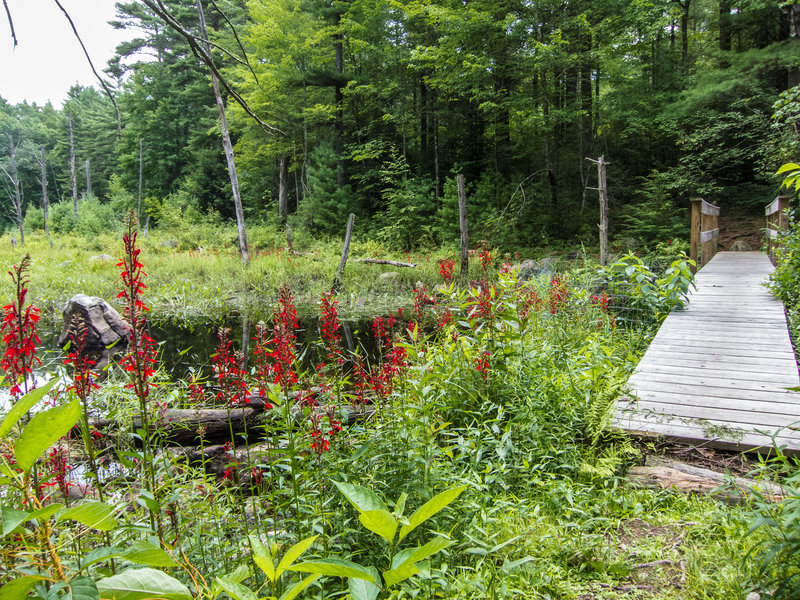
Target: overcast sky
(48, 59)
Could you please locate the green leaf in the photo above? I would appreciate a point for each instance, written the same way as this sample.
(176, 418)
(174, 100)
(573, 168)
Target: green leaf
(360, 497)
(361, 589)
(98, 555)
(83, 588)
(45, 512)
(381, 522)
(43, 430)
(400, 574)
(263, 558)
(18, 589)
(235, 590)
(23, 405)
(293, 553)
(788, 167)
(335, 567)
(96, 515)
(145, 553)
(141, 584)
(430, 508)
(298, 587)
(437, 544)
(12, 518)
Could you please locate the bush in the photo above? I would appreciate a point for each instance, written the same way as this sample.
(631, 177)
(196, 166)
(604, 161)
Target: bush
(63, 218)
(34, 219)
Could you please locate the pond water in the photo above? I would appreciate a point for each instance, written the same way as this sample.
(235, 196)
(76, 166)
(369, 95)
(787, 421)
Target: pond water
(187, 347)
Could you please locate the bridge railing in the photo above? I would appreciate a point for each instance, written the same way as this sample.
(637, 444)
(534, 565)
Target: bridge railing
(705, 231)
(777, 222)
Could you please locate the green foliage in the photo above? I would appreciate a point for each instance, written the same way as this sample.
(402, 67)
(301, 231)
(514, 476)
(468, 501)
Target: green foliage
(328, 205)
(639, 293)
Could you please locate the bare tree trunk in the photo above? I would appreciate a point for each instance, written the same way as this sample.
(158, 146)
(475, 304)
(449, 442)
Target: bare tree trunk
(793, 77)
(228, 147)
(88, 179)
(602, 190)
(283, 183)
(72, 166)
(13, 177)
(139, 206)
(45, 200)
(462, 220)
(337, 282)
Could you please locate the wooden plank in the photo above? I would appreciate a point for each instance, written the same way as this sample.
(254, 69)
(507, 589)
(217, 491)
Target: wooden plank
(709, 209)
(639, 384)
(690, 370)
(644, 398)
(746, 417)
(773, 207)
(698, 361)
(707, 236)
(758, 362)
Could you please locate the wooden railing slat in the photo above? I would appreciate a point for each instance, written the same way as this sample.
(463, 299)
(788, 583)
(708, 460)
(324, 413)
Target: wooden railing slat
(707, 236)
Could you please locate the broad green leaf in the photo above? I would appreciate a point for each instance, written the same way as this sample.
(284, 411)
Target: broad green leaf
(235, 590)
(18, 589)
(400, 505)
(98, 555)
(96, 515)
(263, 558)
(509, 566)
(43, 430)
(12, 518)
(145, 553)
(23, 405)
(381, 522)
(400, 574)
(298, 587)
(788, 167)
(335, 567)
(293, 553)
(238, 575)
(361, 589)
(83, 588)
(141, 584)
(437, 544)
(45, 512)
(430, 508)
(360, 497)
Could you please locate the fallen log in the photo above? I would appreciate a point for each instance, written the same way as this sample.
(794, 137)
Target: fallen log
(381, 261)
(662, 473)
(212, 426)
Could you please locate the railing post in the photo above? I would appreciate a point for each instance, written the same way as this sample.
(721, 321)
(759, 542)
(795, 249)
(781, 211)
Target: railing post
(695, 231)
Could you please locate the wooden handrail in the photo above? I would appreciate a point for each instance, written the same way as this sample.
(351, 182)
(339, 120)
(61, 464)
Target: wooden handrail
(705, 231)
(777, 222)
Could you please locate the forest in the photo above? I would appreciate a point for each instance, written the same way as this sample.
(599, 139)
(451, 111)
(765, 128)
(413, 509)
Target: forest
(418, 422)
(375, 107)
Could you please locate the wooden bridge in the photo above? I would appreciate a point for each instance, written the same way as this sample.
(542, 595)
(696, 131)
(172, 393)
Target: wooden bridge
(717, 373)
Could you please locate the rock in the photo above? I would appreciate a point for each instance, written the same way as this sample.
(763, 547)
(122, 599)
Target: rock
(531, 268)
(170, 244)
(389, 276)
(741, 246)
(64, 264)
(102, 257)
(753, 596)
(104, 325)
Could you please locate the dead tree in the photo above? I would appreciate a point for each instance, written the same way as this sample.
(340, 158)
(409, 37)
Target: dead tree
(13, 177)
(72, 166)
(244, 250)
(43, 183)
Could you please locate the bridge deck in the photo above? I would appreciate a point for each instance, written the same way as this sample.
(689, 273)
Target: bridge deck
(716, 373)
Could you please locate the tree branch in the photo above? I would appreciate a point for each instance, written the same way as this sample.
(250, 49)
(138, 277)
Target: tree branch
(91, 64)
(238, 42)
(10, 23)
(161, 11)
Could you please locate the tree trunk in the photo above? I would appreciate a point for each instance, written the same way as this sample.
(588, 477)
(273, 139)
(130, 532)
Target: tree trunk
(72, 166)
(13, 176)
(462, 223)
(337, 282)
(45, 200)
(139, 204)
(88, 179)
(227, 146)
(283, 183)
(793, 75)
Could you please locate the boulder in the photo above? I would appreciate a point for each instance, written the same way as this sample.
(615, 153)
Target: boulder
(104, 325)
(741, 246)
(531, 268)
(389, 276)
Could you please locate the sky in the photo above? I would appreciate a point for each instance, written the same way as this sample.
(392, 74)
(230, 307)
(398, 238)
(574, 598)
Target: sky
(48, 59)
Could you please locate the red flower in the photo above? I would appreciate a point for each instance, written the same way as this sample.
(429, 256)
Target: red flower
(230, 377)
(446, 269)
(20, 333)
